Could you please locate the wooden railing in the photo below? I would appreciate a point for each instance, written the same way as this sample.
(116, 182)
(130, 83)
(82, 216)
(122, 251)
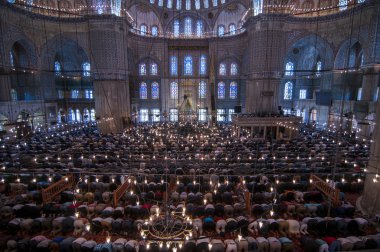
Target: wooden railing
(49, 193)
(326, 189)
(119, 192)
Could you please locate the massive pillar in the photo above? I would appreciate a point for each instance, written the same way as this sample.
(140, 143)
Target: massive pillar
(370, 200)
(365, 106)
(266, 52)
(110, 67)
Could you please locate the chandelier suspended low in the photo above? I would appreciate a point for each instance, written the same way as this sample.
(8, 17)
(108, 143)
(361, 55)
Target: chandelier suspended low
(167, 226)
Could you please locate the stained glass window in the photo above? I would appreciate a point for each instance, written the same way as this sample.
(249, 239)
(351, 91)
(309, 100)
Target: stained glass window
(86, 69)
(302, 94)
(173, 65)
(144, 115)
(197, 4)
(153, 69)
(92, 115)
(155, 90)
(71, 115)
(319, 68)
(78, 115)
(11, 59)
(173, 115)
(176, 28)
(220, 30)
(361, 1)
(232, 29)
(74, 94)
(13, 95)
(160, 2)
(143, 91)
(199, 28)
(222, 69)
(343, 4)
(288, 91)
(86, 115)
(155, 115)
(142, 69)
(143, 29)
(257, 7)
(203, 65)
(57, 68)
(221, 90)
(202, 90)
(151, 1)
(289, 69)
(215, 3)
(188, 26)
(220, 115)
(205, 3)
(202, 115)
(188, 65)
(154, 31)
(179, 4)
(174, 90)
(170, 4)
(234, 69)
(188, 4)
(233, 90)
(230, 113)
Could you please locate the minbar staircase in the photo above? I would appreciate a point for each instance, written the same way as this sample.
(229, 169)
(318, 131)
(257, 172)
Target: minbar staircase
(49, 193)
(326, 189)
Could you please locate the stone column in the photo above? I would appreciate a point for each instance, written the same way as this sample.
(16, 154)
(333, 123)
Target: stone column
(111, 87)
(363, 107)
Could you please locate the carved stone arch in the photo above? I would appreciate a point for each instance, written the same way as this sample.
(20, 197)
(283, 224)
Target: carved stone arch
(341, 55)
(53, 45)
(150, 7)
(224, 9)
(14, 35)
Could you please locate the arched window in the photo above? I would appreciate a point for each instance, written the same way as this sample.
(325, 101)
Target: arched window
(57, 68)
(86, 115)
(343, 4)
(188, 65)
(143, 91)
(233, 90)
(78, 115)
(257, 7)
(173, 65)
(151, 1)
(179, 4)
(11, 59)
(142, 69)
(222, 69)
(202, 90)
(13, 94)
(153, 69)
(361, 1)
(234, 69)
(188, 26)
(173, 90)
(215, 3)
(197, 4)
(86, 69)
(232, 29)
(288, 91)
(199, 28)
(205, 3)
(289, 69)
(11, 1)
(318, 68)
(154, 30)
(176, 28)
(92, 115)
(170, 4)
(221, 90)
(143, 29)
(221, 30)
(203, 65)
(155, 90)
(160, 3)
(188, 4)
(71, 115)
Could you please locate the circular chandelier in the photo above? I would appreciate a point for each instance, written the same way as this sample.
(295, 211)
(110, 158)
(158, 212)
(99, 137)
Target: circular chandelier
(167, 226)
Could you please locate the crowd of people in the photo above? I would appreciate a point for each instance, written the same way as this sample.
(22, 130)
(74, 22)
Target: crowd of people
(235, 193)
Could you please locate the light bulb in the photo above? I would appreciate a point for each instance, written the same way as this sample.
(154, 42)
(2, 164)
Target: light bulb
(239, 237)
(271, 213)
(76, 214)
(108, 240)
(88, 227)
(260, 224)
(205, 201)
(209, 246)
